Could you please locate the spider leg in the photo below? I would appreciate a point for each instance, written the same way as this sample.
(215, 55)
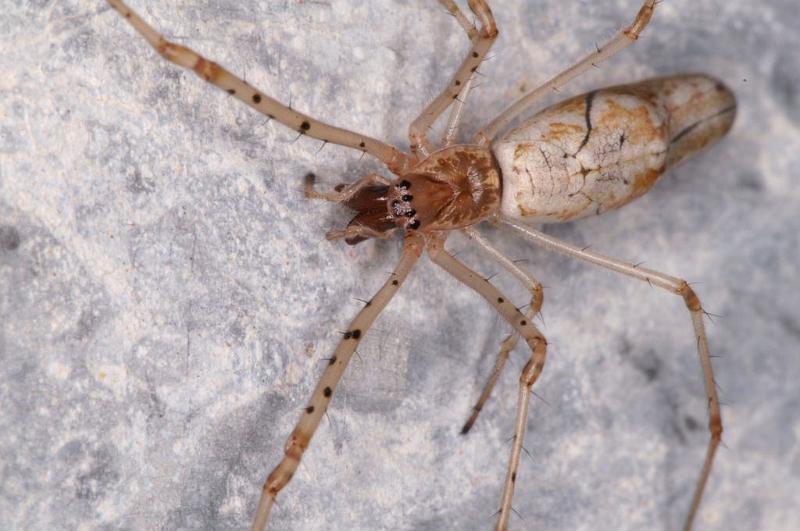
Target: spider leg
(482, 40)
(343, 192)
(674, 285)
(358, 231)
(627, 36)
(535, 340)
(508, 344)
(300, 438)
(394, 159)
(451, 129)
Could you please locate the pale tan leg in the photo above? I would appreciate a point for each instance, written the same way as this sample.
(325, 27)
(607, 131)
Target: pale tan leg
(358, 231)
(530, 373)
(622, 40)
(301, 435)
(482, 40)
(343, 192)
(394, 159)
(451, 129)
(508, 344)
(679, 287)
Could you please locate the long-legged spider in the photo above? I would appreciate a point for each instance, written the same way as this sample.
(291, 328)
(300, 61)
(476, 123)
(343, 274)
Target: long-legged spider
(581, 157)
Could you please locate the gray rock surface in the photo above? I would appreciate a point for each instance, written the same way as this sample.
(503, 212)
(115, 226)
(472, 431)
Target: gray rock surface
(167, 295)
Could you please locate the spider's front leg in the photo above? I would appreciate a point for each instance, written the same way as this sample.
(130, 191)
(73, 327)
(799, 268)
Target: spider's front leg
(482, 40)
(215, 74)
(301, 436)
(533, 337)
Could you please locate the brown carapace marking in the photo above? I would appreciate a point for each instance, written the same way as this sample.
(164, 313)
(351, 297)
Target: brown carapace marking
(456, 186)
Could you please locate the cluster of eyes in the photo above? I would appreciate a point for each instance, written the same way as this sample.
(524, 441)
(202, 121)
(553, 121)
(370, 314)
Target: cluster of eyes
(402, 207)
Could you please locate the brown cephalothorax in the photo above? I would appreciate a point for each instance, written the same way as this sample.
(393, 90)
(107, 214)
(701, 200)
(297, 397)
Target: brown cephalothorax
(453, 188)
(580, 157)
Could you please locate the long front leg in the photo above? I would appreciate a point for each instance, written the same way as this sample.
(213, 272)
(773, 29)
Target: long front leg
(210, 71)
(508, 344)
(619, 42)
(300, 438)
(482, 40)
(537, 343)
(674, 285)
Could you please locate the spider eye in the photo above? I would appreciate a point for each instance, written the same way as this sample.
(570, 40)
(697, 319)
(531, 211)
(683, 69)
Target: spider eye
(414, 225)
(407, 198)
(404, 184)
(411, 213)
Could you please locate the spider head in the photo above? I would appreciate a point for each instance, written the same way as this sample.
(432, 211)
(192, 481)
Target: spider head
(453, 188)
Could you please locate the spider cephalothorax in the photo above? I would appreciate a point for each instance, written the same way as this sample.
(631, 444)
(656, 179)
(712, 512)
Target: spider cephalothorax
(453, 188)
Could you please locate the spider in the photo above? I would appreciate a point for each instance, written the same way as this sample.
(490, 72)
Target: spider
(581, 157)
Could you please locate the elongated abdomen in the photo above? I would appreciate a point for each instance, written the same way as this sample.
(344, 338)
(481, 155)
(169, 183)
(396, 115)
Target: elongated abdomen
(601, 150)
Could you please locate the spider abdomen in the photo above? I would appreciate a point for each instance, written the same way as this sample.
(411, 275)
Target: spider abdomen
(599, 151)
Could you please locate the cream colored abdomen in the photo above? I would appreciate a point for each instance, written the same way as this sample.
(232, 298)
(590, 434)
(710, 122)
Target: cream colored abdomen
(601, 150)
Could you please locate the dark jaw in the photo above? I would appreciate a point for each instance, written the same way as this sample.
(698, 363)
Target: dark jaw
(370, 205)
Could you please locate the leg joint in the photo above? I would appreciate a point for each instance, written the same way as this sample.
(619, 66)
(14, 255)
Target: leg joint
(689, 297)
(715, 427)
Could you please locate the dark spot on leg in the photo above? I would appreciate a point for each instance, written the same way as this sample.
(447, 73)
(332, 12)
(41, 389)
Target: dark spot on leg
(394, 282)
(332, 360)
(523, 322)
(457, 83)
(348, 335)
(513, 477)
(256, 98)
(501, 300)
(310, 409)
(231, 92)
(474, 54)
(362, 145)
(327, 392)
(305, 126)
(356, 334)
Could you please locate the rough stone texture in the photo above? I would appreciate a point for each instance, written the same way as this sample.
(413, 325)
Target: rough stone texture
(167, 295)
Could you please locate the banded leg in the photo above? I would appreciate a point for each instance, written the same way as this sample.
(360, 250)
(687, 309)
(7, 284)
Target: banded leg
(482, 40)
(301, 435)
(508, 344)
(674, 285)
(530, 373)
(394, 159)
(627, 36)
